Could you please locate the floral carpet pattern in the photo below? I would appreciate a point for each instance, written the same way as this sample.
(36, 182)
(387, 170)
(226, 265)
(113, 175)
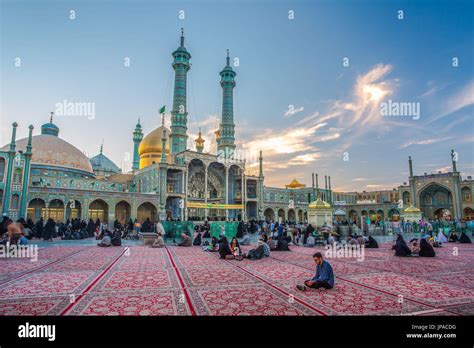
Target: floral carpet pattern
(139, 281)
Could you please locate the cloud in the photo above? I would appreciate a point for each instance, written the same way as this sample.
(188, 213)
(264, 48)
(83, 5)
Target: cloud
(292, 111)
(340, 123)
(424, 142)
(463, 98)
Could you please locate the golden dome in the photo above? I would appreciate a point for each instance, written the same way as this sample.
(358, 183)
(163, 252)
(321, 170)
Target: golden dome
(51, 150)
(218, 134)
(199, 140)
(319, 204)
(295, 184)
(412, 209)
(150, 147)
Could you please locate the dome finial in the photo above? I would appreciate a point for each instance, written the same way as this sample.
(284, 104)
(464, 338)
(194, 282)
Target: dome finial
(102, 146)
(51, 117)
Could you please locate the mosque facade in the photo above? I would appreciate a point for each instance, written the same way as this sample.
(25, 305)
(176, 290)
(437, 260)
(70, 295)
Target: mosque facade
(45, 176)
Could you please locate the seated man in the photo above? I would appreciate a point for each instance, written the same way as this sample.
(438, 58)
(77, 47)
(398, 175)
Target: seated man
(310, 241)
(186, 240)
(159, 242)
(324, 277)
(246, 239)
(106, 241)
(262, 250)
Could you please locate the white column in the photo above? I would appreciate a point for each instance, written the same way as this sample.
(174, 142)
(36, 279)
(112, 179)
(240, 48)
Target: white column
(243, 195)
(186, 195)
(183, 190)
(205, 190)
(226, 201)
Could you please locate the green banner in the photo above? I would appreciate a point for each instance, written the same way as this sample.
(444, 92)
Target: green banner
(173, 229)
(230, 228)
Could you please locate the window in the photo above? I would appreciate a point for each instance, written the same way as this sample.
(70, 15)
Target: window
(2, 168)
(15, 202)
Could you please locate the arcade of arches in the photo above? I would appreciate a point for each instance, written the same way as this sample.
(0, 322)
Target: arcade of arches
(98, 209)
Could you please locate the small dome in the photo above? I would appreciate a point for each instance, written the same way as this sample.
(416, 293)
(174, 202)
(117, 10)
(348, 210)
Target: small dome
(411, 209)
(150, 147)
(319, 204)
(295, 184)
(102, 164)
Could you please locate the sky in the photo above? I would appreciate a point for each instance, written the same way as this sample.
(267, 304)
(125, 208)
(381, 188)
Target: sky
(313, 80)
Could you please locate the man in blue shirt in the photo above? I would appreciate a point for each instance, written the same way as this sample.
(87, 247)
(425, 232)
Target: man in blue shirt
(324, 277)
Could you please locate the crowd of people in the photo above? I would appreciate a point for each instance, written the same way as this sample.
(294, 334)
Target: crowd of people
(424, 246)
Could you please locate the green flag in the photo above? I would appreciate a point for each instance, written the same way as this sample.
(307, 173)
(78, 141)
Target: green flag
(162, 110)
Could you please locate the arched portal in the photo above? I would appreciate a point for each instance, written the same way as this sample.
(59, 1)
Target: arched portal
(292, 215)
(353, 216)
(99, 209)
(300, 216)
(281, 214)
(36, 209)
(73, 209)
(122, 212)
(394, 214)
(146, 211)
(433, 199)
(56, 210)
(269, 214)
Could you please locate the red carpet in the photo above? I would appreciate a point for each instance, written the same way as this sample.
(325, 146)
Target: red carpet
(87, 280)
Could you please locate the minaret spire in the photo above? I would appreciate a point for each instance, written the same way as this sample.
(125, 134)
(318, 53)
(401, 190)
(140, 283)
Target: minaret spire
(179, 112)
(137, 138)
(102, 146)
(226, 141)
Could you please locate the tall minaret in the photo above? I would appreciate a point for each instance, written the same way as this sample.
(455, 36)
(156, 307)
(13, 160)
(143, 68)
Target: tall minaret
(179, 113)
(225, 144)
(137, 138)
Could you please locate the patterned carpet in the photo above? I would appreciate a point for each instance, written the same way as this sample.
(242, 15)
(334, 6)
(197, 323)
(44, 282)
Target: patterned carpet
(87, 280)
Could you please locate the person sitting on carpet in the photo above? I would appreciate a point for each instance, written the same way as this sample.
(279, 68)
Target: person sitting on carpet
(441, 238)
(106, 240)
(197, 240)
(262, 250)
(283, 245)
(310, 241)
(401, 247)
(464, 238)
(414, 246)
(246, 239)
(324, 277)
(372, 243)
(453, 237)
(159, 242)
(272, 243)
(206, 234)
(116, 238)
(185, 240)
(235, 247)
(224, 248)
(425, 249)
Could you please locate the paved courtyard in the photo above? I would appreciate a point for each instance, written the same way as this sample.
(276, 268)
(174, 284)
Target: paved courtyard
(83, 279)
